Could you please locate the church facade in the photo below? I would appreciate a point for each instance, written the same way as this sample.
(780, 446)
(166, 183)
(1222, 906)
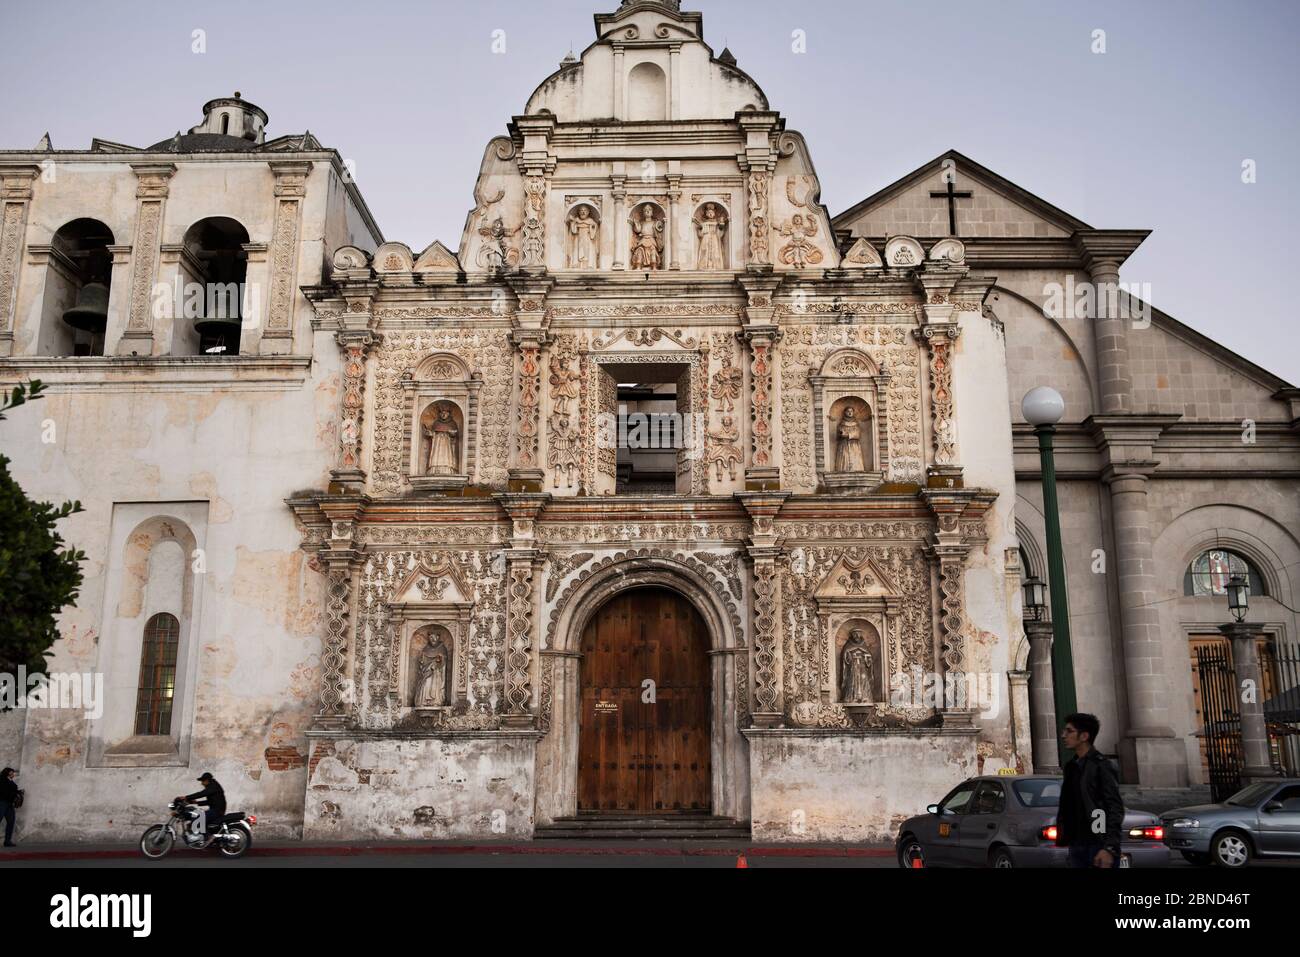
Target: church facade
(663, 492)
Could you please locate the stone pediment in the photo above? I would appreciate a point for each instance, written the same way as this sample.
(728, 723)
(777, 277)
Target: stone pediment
(437, 258)
(439, 584)
(859, 584)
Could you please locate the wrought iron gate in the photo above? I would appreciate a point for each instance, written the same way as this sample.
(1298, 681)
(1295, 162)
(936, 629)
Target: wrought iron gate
(1222, 730)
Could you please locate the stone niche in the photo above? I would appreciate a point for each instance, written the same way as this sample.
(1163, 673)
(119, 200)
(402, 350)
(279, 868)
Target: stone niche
(851, 422)
(442, 410)
(859, 608)
(430, 614)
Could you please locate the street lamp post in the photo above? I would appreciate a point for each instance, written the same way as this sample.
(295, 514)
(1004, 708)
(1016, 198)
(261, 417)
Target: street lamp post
(1245, 657)
(1043, 408)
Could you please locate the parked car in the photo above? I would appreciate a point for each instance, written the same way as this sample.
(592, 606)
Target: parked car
(1010, 821)
(1262, 820)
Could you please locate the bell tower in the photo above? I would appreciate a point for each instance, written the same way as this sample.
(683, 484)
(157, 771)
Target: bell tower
(233, 116)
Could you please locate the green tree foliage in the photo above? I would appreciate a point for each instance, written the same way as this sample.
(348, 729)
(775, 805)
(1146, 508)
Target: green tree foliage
(39, 576)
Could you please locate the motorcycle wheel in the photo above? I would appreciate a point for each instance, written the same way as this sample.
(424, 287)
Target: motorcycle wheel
(236, 843)
(157, 842)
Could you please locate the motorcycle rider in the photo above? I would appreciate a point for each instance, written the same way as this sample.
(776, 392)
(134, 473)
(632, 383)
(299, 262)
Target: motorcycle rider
(212, 806)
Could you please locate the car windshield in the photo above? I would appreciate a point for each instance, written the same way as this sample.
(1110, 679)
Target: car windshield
(1038, 792)
(1249, 797)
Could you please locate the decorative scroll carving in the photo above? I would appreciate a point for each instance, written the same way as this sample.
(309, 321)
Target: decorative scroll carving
(529, 390)
(952, 622)
(560, 568)
(767, 697)
(355, 347)
(760, 403)
(290, 188)
(11, 229)
(759, 186)
(940, 340)
(519, 691)
(145, 254)
(534, 225)
(333, 687)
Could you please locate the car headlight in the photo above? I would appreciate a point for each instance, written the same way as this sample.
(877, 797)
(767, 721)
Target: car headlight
(1184, 822)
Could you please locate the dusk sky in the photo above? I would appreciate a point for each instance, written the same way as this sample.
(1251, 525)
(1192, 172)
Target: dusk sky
(1151, 134)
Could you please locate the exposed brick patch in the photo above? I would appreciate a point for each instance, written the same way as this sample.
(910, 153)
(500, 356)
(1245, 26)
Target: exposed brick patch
(285, 759)
(323, 749)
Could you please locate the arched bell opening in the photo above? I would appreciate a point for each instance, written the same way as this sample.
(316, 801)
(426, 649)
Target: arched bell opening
(214, 266)
(77, 289)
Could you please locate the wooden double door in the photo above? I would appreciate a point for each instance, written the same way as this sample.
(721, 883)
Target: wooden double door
(643, 738)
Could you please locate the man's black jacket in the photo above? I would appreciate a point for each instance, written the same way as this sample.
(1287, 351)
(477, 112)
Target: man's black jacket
(8, 789)
(1093, 785)
(213, 797)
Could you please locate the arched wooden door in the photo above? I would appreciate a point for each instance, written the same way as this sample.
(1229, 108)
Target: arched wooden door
(644, 748)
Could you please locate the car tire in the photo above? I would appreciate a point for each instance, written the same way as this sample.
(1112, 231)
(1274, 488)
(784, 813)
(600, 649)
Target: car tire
(1230, 850)
(1001, 858)
(1199, 858)
(909, 852)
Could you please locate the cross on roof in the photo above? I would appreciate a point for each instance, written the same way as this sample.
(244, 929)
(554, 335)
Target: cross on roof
(952, 195)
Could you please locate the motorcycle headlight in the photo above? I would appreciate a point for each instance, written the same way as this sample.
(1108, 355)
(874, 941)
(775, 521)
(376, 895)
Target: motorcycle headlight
(1184, 822)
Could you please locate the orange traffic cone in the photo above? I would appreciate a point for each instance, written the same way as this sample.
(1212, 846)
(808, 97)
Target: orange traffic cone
(741, 862)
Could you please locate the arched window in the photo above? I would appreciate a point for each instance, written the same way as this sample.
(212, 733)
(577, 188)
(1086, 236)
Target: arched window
(647, 93)
(74, 312)
(215, 264)
(1210, 572)
(153, 702)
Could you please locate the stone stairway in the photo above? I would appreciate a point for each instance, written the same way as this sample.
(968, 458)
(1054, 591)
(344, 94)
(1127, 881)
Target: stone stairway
(614, 826)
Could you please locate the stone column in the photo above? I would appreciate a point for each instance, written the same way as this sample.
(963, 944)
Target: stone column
(290, 192)
(939, 339)
(617, 221)
(948, 554)
(151, 198)
(765, 628)
(1042, 698)
(1254, 730)
(16, 193)
(674, 210)
(1115, 380)
(1158, 754)
(119, 295)
(523, 567)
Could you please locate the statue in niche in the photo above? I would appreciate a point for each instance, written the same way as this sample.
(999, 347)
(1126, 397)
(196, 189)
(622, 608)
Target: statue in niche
(799, 251)
(855, 670)
(431, 671)
(848, 443)
(647, 239)
(584, 246)
(443, 437)
(711, 227)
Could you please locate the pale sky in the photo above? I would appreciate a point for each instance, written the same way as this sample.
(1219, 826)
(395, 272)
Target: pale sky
(1151, 134)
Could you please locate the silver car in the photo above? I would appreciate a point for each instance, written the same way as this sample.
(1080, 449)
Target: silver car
(1010, 821)
(1262, 820)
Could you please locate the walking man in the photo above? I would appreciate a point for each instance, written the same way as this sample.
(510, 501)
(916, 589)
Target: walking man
(8, 801)
(1091, 814)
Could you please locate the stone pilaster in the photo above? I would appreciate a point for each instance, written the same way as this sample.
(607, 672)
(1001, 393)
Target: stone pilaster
(290, 192)
(675, 236)
(764, 551)
(535, 165)
(340, 558)
(939, 338)
(530, 339)
(523, 569)
(761, 334)
(948, 554)
(758, 162)
(1103, 252)
(151, 199)
(16, 194)
(1254, 730)
(356, 345)
(1042, 698)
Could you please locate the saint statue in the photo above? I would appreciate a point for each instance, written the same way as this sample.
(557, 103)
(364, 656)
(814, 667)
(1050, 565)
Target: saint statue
(848, 444)
(566, 384)
(430, 689)
(584, 248)
(726, 384)
(647, 243)
(724, 451)
(444, 445)
(711, 229)
(855, 670)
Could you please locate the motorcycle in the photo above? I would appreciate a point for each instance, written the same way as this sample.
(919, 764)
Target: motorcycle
(233, 836)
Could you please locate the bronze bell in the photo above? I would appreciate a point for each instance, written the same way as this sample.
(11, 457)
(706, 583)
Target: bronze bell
(90, 314)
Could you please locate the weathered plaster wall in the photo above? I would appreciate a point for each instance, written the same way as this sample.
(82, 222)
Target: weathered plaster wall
(434, 789)
(817, 787)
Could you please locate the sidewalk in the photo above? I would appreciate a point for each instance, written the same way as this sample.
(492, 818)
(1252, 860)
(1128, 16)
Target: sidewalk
(633, 848)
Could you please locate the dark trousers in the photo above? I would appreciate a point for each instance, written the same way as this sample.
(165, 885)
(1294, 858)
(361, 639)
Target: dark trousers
(7, 812)
(1081, 855)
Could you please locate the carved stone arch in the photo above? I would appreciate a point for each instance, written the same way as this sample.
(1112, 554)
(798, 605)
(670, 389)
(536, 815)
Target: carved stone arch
(441, 377)
(851, 374)
(557, 752)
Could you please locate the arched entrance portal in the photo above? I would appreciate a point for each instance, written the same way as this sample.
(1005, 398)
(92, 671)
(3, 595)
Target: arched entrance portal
(643, 721)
